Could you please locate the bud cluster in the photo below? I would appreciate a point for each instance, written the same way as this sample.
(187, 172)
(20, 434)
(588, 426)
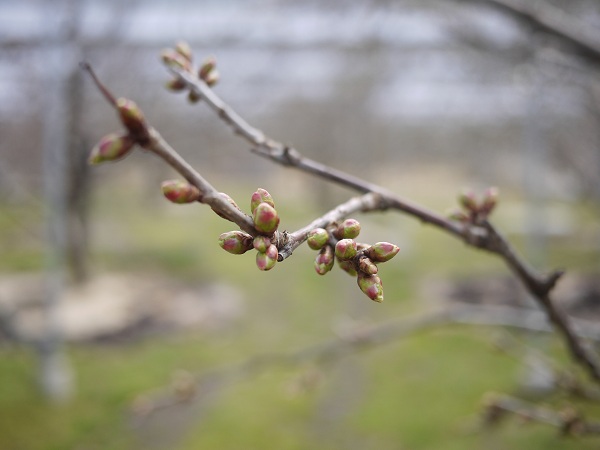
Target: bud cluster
(266, 222)
(474, 210)
(357, 259)
(181, 58)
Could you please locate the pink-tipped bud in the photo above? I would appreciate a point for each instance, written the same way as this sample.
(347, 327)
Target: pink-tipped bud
(317, 238)
(235, 242)
(345, 249)
(175, 85)
(371, 285)
(262, 243)
(382, 251)
(467, 200)
(367, 266)
(267, 260)
(212, 78)
(265, 218)
(184, 49)
(348, 267)
(193, 96)
(174, 60)
(260, 196)
(132, 117)
(111, 148)
(490, 200)
(179, 191)
(207, 67)
(349, 229)
(324, 260)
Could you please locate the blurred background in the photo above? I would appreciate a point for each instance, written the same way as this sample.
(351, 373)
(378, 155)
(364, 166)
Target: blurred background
(124, 325)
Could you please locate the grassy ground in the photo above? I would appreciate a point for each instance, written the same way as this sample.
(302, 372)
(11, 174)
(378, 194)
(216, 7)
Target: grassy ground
(420, 392)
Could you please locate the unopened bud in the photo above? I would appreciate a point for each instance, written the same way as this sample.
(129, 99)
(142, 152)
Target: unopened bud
(349, 229)
(458, 215)
(174, 60)
(468, 201)
(193, 96)
(207, 67)
(175, 85)
(490, 199)
(367, 266)
(212, 78)
(260, 196)
(382, 251)
(179, 191)
(235, 242)
(324, 260)
(262, 243)
(345, 249)
(132, 117)
(265, 218)
(317, 238)
(111, 148)
(347, 266)
(266, 261)
(371, 285)
(184, 49)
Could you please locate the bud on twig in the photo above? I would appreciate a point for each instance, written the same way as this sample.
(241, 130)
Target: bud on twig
(174, 59)
(207, 67)
(468, 201)
(111, 148)
(382, 251)
(193, 96)
(349, 229)
(261, 243)
(324, 260)
(490, 200)
(317, 238)
(347, 266)
(371, 285)
(260, 196)
(132, 117)
(184, 49)
(179, 191)
(212, 78)
(235, 242)
(265, 218)
(345, 249)
(266, 261)
(175, 85)
(367, 266)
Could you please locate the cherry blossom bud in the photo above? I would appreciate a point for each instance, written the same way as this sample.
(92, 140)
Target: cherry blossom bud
(266, 261)
(347, 266)
(193, 96)
(174, 60)
(235, 242)
(371, 285)
(179, 191)
(468, 201)
(212, 78)
(490, 199)
(262, 243)
(111, 148)
(367, 266)
(324, 260)
(175, 85)
(317, 238)
(265, 218)
(207, 67)
(345, 249)
(184, 49)
(382, 251)
(260, 196)
(349, 229)
(131, 116)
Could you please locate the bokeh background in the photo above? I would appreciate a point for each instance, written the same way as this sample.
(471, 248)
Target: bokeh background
(114, 302)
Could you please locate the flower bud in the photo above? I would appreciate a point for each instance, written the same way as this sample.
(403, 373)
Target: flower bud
(345, 249)
(468, 201)
(212, 78)
(260, 196)
(317, 238)
(324, 260)
(261, 243)
(207, 67)
(458, 215)
(265, 218)
(175, 85)
(174, 60)
(111, 148)
(266, 261)
(132, 116)
(371, 285)
(349, 229)
(184, 49)
(367, 266)
(490, 199)
(193, 96)
(347, 266)
(235, 242)
(382, 251)
(179, 191)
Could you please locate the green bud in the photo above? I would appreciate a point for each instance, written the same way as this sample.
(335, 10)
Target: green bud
(371, 285)
(174, 59)
(235, 242)
(260, 196)
(324, 260)
(348, 267)
(207, 67)
(265, 218)
(345, 249)
(212, 78)
(111, 148)
(490, 200)
(468, 201)
(317, 238)
(132, 117)
(184, 49)
(367, 266)
(175, 85)
(458, 215)
(179, 191)
(382, 251)
(266, 261)
(193, 96)
(349, 229)
(261, 243)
